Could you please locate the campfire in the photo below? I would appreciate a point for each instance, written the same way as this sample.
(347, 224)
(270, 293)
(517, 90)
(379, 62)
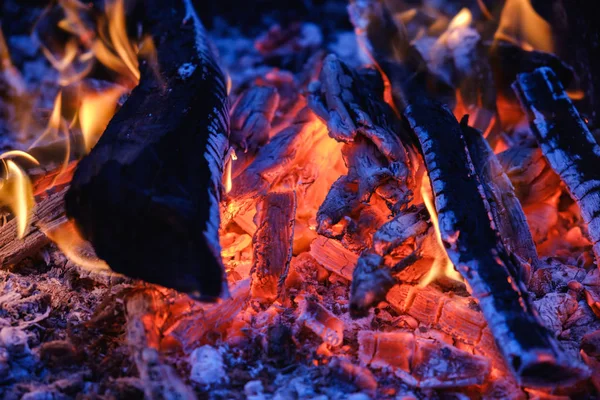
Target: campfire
(321, 199)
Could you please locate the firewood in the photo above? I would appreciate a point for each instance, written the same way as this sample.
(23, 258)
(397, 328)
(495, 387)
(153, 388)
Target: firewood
(147, 196)
(372, 278)
(272, 161)
(13, 250)
(143, 336)
(272, 244)
(566, 142)
(333, 256)
(377, 152)
(251, 118)
(418, 361)
(477, 251)
(506, 209)
(323, 323)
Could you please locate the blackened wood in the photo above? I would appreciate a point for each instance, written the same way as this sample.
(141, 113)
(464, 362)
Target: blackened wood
(272, 244)
(378, 150)
(566, 142)
(477, 251)
(147, 196)
(372, 278)
(506, 209)
(508, 60)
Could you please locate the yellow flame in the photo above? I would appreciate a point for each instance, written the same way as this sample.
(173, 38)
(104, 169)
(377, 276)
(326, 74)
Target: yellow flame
(461, 20)
(74, 247)
(56, 132)
(522, 26)
(16, 192)
(442, 266)
(95, 112)
(19, 153)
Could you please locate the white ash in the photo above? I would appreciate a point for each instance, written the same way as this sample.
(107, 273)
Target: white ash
(254, 390)
(208, 367)
(186, 70)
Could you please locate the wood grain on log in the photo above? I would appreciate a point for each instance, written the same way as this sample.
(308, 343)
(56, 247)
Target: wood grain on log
(147, 196)
(272, 244)
(506, 209)
(417, 361)
(566, 142)
(13, 250)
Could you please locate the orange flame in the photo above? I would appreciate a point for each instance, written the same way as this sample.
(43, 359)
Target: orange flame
(522, 26)
(95, 112)
(114, 49)
(442, 266)
(74, 247)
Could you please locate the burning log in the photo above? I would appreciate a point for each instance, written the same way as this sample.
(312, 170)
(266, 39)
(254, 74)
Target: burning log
(147, 196)
(160, 380)
(272, 244)
(566, 142)
(422, 362)
(506, 209)
(475, 248)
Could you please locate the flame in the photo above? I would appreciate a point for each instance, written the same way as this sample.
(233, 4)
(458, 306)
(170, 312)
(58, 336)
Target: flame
(461, 20)
(95, 112)
(522, 26)
(16, 192)
(230, 158)
(75, 248)
(114, 49)
(442, 266)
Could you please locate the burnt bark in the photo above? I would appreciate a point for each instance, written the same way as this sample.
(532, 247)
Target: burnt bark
(507, 213)
(147, 196)
(566, 142)
(476, 249)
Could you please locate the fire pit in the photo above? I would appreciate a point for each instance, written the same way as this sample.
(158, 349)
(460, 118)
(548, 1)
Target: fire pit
(299, 200)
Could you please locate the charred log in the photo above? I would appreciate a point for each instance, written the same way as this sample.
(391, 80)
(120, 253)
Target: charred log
(506, 209)
(272, 244)
(477, 251)
(147, 196)
(566, 142)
